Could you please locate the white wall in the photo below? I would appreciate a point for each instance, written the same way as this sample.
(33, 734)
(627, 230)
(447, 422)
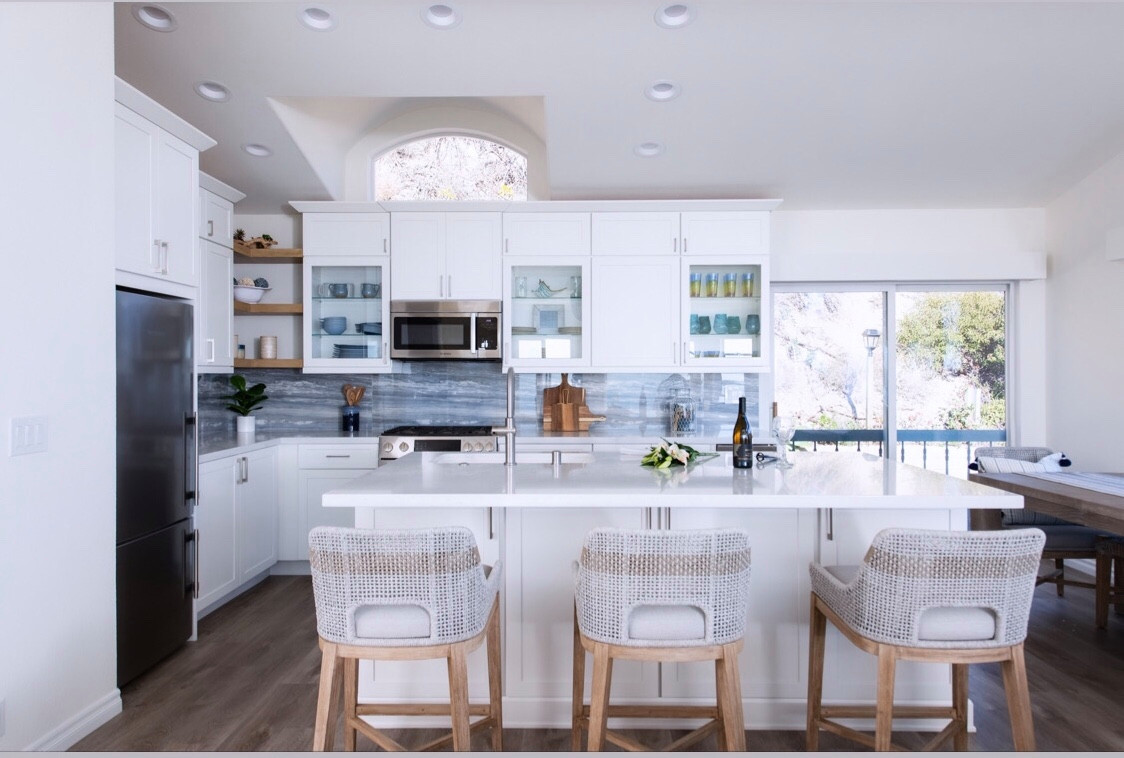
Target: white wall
(58, 647)
(1085, 321)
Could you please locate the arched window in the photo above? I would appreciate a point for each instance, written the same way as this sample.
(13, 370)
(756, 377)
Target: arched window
(451, 167)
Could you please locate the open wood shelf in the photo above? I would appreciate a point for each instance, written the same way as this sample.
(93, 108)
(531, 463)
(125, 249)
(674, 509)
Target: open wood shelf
(290, 254)
(268, 363)
(294, 309)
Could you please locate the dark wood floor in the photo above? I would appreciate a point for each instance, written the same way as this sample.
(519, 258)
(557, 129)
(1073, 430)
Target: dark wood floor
(249, 683)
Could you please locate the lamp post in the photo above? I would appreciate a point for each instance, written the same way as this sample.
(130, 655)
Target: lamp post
(870, 342)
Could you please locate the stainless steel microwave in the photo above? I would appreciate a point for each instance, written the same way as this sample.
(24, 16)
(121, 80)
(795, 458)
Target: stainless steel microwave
(445, 329)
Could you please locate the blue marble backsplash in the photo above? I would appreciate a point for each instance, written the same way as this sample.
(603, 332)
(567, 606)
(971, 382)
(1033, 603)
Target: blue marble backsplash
(466, 392)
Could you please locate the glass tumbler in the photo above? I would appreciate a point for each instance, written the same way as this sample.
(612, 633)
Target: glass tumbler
(696, 285)
(712, 285)
(747, 285)
(730, 285)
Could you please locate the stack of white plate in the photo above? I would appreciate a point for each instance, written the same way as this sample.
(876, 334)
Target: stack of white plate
(349, 351)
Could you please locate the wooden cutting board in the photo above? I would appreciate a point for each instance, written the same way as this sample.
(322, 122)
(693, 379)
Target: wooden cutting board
(564, 408)
(563, 393)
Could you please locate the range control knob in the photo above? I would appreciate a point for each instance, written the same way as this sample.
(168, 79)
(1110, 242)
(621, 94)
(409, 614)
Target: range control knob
(404, 446)
(466, 446)
(387, 447)
(477, 447)
(489, 447)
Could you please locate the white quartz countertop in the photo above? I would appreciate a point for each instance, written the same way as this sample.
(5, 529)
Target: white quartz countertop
(610, 480)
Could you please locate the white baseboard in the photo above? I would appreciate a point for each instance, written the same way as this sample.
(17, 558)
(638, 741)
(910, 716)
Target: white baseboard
(290, 568)
(66, 734)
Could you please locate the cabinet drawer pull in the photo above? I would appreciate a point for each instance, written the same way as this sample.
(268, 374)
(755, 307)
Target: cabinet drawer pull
(338, 456)
(505, 245)
(684, 244)
(675, 244)
(384, 244)
(210, 228)
(211, 352)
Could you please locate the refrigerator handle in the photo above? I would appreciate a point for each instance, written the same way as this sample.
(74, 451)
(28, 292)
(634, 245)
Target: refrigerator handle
(191, 456)
(191, 585)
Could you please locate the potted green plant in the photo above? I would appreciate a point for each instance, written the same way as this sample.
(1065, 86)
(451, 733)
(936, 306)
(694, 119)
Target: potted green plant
(244, 401)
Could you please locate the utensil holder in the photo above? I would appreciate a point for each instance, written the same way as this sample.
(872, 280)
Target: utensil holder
(267, 347)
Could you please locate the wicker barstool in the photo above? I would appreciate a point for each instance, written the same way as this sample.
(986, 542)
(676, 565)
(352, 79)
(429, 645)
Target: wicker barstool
(660, 596)
(410, 594)
(949, 597)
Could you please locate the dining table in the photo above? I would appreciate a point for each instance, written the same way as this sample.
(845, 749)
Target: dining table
(1094, 499)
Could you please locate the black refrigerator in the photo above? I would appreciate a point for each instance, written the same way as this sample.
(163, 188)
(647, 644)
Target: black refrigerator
(156, 472)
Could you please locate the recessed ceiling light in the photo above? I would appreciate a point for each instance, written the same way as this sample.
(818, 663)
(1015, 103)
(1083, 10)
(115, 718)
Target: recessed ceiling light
(257, 150)
(674, 16)
(155, 17)
(441, 16)
(662, 91)
(648, 149)
(317, 17)
(212, 91)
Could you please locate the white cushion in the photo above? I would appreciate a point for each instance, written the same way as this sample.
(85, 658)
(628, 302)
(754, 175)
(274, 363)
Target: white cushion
(666, 622)
(843, 573)
(391, 622)
(988, 465)
(956, 625)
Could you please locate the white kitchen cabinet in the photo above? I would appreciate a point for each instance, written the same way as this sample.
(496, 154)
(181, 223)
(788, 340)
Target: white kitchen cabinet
(725, 320)
(352, 288)
(546, 312)
(237, 521)
(635, 233)
(346, 233)
(635, 313)
(690, 233)
(216, 219)
(323, 468)
(540, 548)
(561, 233)
(214, 348)
(156, 186)
(439, 256)
(724, 233)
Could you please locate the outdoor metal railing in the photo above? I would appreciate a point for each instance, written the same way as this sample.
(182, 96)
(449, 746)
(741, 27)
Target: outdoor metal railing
(936, 438)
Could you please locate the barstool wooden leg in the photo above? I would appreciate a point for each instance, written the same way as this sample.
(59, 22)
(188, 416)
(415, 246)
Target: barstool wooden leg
(1104, 569)
(720, 686)
(350, 701)
(960, 704)
(816, 635)
(599, 697)
(884, 709)
(327, 701)
(1059, 565)
(495, 680)
(458, 696)
(730, 699)
(579, 689)
(1118, 574)
(1018, 699)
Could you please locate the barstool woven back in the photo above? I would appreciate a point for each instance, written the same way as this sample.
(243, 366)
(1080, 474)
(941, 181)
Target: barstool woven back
(436, 569)
(621, 570)
(907, 571)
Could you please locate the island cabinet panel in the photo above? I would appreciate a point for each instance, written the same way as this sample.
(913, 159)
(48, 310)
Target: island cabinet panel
(395, 681)
(541, 548)
(845, 536)
(773, 663)
(635, 313)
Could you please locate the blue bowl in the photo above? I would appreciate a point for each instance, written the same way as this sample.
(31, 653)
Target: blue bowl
(334, 324)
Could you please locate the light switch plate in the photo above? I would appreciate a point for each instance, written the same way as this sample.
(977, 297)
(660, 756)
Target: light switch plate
(28, 435)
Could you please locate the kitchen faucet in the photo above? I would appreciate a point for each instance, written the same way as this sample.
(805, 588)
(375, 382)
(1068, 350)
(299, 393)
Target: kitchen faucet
(508, 429)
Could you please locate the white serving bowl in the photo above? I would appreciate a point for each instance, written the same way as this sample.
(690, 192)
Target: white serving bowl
(245, 294)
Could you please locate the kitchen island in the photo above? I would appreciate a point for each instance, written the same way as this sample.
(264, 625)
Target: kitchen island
(534, 516)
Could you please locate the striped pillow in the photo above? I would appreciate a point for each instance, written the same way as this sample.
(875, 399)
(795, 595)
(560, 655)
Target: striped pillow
(988, 465)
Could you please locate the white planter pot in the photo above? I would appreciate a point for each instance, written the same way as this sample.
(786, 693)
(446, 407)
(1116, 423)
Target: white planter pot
(246, 424)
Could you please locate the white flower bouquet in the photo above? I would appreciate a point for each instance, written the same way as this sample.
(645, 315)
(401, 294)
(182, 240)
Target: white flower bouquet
(668, 454)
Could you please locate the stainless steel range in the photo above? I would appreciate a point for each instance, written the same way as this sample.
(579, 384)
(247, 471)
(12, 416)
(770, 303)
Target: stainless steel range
(403, 440)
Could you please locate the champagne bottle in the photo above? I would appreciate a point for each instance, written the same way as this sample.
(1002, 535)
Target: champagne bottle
(743, 439)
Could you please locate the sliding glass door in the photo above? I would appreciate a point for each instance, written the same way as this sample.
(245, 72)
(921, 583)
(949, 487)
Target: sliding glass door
(919, 369)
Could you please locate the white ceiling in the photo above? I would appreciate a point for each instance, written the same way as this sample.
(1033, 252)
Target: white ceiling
(826, 105)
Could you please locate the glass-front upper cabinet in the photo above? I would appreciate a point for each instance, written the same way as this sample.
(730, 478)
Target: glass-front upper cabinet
(546, 312)
(345, 310)
(726, 312)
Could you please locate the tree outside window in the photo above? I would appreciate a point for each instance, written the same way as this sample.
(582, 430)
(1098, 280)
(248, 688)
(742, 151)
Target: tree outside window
(451, 167)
